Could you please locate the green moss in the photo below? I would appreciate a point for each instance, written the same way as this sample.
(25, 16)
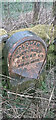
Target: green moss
(44, 31)
(21, 87)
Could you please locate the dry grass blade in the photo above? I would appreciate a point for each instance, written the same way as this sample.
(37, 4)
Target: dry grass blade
(26, 96)
(49, 102)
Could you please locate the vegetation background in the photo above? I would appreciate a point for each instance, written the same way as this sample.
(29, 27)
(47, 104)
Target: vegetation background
(35, 99)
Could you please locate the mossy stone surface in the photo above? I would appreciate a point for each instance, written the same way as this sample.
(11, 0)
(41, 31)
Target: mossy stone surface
(43, 31)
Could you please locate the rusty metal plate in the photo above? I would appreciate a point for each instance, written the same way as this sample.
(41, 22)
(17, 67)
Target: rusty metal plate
(27, 59)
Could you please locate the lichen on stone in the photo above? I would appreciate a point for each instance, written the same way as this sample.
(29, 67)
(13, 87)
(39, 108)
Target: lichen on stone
(2, 32)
